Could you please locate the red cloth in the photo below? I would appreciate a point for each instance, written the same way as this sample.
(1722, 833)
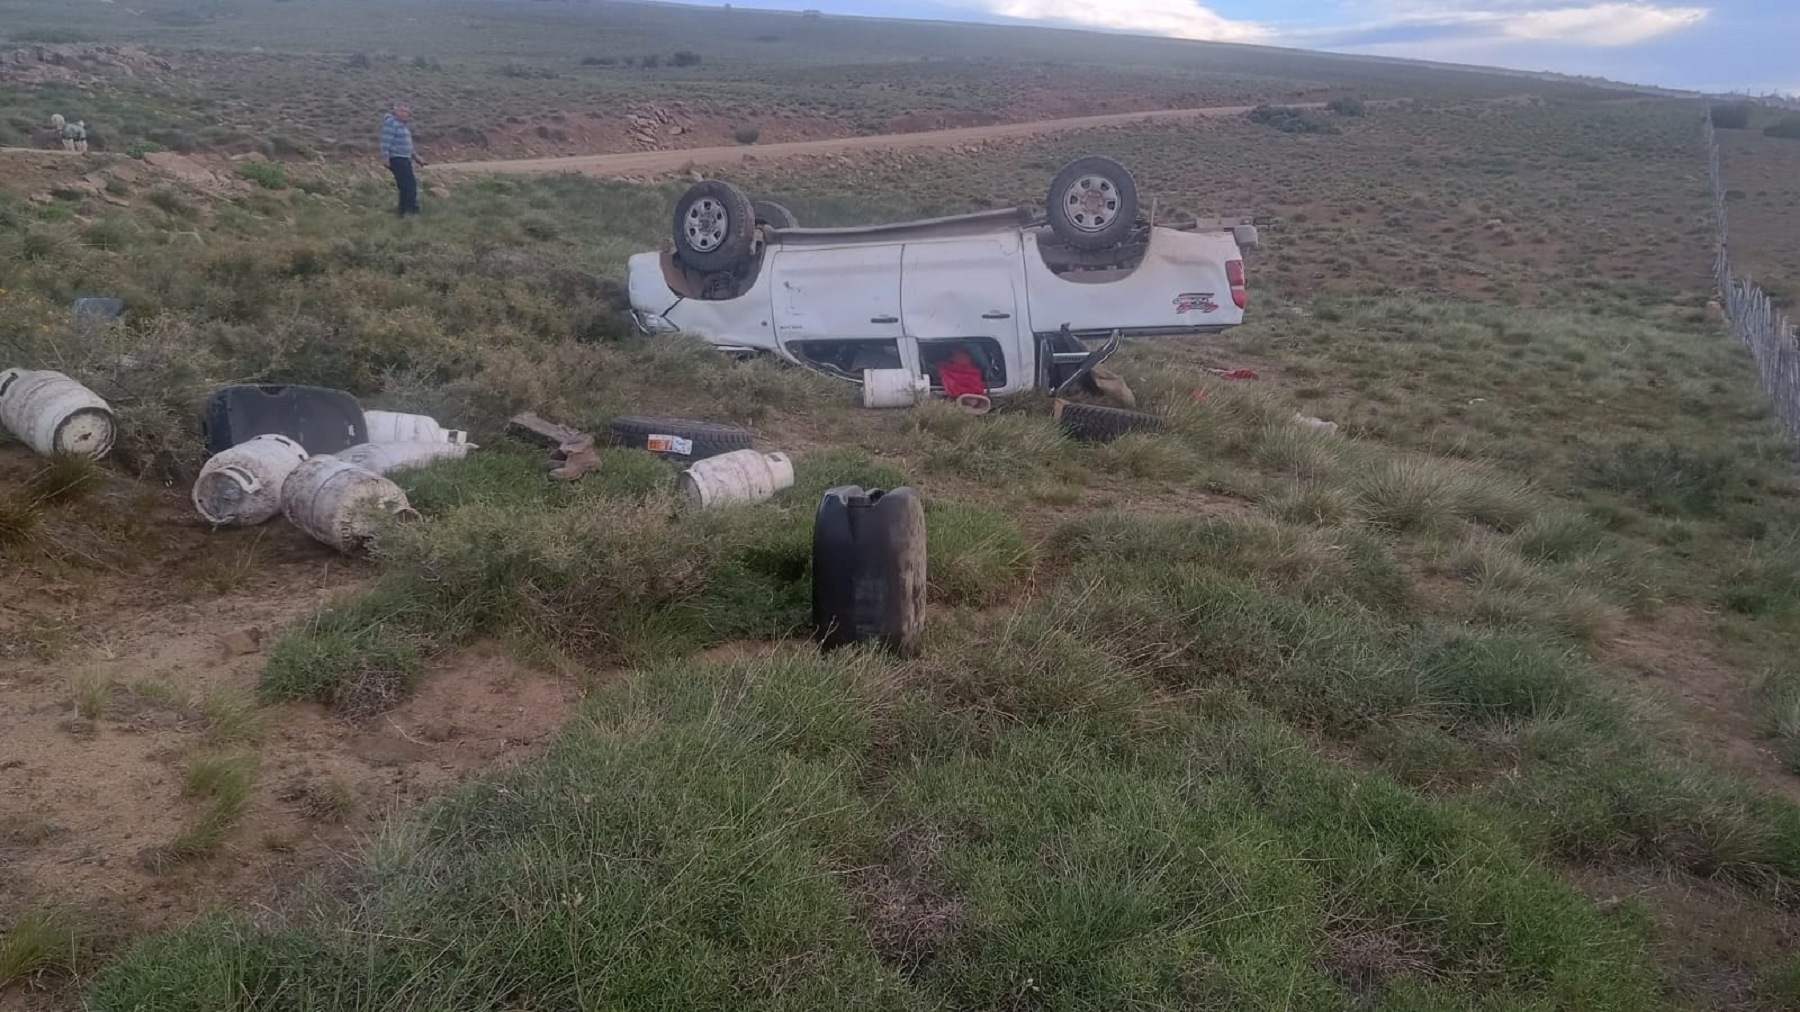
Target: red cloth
(1234, 374)
(961, 376)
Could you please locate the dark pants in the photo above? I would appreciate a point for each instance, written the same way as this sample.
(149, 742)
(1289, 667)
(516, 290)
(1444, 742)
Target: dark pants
(402, 168)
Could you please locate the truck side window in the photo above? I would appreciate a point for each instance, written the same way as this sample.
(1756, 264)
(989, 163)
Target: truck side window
(984, 351)
(848, 358)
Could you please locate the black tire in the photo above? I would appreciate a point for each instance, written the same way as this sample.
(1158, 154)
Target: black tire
(1093, 203)
(709, 438)
(1092, 423)
(714, 226)
(774, 215)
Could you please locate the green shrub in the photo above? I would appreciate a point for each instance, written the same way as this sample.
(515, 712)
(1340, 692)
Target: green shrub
(747, 135)
(1788, 129)
(1291, 120)
(1347, 105)
(685, 58)
(268, 175)
(1733, 115)
(139, 149)
(1666, 477)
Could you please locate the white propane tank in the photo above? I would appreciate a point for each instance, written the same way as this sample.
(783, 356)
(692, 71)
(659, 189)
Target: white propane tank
(739, 476)
(53, 414)
(241, 487)
(893, 388)
(385, 457)
(341, 504)
(397, 427)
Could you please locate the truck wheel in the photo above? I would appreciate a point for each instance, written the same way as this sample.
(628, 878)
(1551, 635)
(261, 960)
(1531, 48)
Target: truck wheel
(714, 226)
(1093, 203)
(1092, 423)
(677, 438)
(774, 215)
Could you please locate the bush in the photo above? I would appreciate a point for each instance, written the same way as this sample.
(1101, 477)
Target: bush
(685, 58)
(747, 135)
(1733, 115)
(1787, 129)
(650, 62)
(1290, 120)
(139, 149)
(1348, 105)
(268, 175)
(599, 61)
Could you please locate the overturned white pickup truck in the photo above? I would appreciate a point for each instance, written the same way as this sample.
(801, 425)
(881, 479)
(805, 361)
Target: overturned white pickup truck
(1021, 292)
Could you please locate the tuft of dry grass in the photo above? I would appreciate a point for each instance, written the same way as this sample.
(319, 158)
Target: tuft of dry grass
(91, 692)
(66, 478)
(20, 519)
(41, 939)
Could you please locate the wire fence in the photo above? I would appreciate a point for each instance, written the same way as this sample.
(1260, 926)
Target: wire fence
(1754, 317)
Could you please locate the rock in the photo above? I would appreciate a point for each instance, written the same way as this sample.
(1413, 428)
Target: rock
(80, 727)
(42, 198)
(241, 642)
(439, 731)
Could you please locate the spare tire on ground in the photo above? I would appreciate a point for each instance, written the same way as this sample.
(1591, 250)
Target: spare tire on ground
(1093, 203)
(774, 215)
(1095, 424)
(714, 226)
(677, 438)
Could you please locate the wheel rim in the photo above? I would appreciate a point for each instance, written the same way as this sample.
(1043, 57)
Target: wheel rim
(706, 224)
(1091, 203)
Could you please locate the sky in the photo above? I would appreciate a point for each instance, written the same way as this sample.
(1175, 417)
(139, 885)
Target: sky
(1708, 45)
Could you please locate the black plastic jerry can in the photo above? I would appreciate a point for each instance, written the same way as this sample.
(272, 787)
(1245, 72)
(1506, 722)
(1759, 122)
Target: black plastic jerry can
(869, 569)
(319, 418)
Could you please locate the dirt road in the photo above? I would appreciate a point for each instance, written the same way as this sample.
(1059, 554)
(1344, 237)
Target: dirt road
(639, 163)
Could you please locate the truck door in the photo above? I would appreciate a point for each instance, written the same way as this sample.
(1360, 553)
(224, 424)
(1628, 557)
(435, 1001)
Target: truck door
(838, 308)
(964, 294)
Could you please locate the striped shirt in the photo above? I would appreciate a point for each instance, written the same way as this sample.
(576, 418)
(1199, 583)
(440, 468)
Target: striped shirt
(396, 138)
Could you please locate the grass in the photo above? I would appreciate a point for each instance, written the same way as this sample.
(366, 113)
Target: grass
(66, 479)
(977, 555)
(91, 693)
(745, 780)
(221, 783)
(40, 940)
(268, 175)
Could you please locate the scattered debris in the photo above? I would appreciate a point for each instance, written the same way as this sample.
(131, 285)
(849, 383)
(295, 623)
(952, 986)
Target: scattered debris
(1110, 385)
(90, 310)
(572, 451)
(894, 388)
(383, 458)
(1096, 423)
(740, 476)
(574, 458)
(531, 428)
(319, 418)
(975, 404)
(242, 486)
(53, 414)
(1318, 424)
(961, 375)
(341, 504)
(677, 437)
(869, 569)
(396, 427)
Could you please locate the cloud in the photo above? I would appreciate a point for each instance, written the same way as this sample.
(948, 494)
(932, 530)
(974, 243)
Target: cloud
(1182, 19)
(1594, 24)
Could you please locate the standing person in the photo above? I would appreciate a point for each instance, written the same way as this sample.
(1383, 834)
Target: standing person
(397, 151)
